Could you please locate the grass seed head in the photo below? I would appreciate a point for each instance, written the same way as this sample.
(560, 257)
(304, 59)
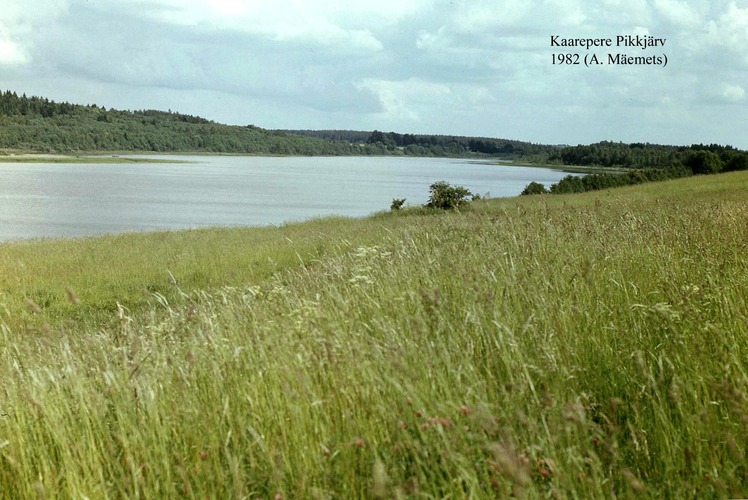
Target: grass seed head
(33, 306)
(72, 297)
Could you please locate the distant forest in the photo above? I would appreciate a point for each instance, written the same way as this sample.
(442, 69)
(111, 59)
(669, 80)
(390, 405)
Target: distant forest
(701, 158)
(36, 124)
(435, 145)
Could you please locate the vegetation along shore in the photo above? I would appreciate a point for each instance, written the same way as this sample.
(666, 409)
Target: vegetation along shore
(582, 345)
(39, 125)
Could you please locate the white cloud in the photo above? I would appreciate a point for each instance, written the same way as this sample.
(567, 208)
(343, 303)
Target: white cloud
(11, 54)
(416, 101)
(679, 13)
(260, 11)
(732, 93)
(402, 100)
(624, 12)
(479, 15)
(19, 22)
(327, 23)
(730, 32)
(563, 12)
(441, 66)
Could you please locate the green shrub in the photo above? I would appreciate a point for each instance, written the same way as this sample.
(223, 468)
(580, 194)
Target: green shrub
(447, 197)
(534, 188)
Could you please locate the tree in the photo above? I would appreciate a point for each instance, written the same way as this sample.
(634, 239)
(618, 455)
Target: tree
(534, 188)
(376, 137)
(569, 184)
(447, 197)
(704, 162)
(736, 161)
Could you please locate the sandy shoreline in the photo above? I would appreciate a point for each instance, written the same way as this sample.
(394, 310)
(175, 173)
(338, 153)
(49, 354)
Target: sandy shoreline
(82, 158)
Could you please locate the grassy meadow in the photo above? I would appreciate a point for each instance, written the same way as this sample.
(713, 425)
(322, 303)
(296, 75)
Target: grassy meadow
(570, 346)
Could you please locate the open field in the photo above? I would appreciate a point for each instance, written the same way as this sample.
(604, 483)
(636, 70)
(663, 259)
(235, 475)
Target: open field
(581, 346)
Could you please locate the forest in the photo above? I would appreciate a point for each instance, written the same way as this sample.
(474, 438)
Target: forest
(436, 145)
(37, 124)
(701, 158)
(695, 160)
(40, 125)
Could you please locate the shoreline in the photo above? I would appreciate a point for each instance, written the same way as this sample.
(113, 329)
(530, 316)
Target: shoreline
(138, 157)
(81, 158)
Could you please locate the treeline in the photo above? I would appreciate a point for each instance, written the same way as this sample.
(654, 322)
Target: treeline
(37, 124)
(593, 182)
(435, 145)
(700, 160)
(645, 155)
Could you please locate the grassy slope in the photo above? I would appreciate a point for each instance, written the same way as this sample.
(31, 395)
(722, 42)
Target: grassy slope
(576, 345)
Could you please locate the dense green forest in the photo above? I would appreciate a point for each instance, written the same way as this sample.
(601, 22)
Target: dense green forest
(37, 124)
(701, 158)
(694, 160)
(436, 145)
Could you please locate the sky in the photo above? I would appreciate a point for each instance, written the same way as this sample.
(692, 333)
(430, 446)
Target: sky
(462, 67)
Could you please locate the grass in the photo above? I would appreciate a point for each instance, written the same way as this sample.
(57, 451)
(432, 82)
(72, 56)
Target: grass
(574, 346)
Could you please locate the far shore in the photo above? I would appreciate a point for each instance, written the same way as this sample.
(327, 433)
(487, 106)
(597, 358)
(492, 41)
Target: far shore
(144, 157)
(80, 158)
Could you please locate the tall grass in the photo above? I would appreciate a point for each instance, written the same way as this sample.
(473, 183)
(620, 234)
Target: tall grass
(581, 346)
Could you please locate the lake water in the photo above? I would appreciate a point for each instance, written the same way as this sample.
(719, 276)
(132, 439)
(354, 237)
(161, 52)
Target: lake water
(56, 200)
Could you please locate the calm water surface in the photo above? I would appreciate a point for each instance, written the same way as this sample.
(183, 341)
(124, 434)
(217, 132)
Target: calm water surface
(55, 200)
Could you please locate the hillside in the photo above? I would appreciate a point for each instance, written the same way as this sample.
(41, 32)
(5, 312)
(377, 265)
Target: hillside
(702, 158)
(36, 124)
(437, 145)
(573, 346)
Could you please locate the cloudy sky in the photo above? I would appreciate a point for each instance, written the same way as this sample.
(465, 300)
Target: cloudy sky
(462, 67)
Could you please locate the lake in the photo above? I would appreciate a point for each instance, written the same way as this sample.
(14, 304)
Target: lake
(64, 200)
